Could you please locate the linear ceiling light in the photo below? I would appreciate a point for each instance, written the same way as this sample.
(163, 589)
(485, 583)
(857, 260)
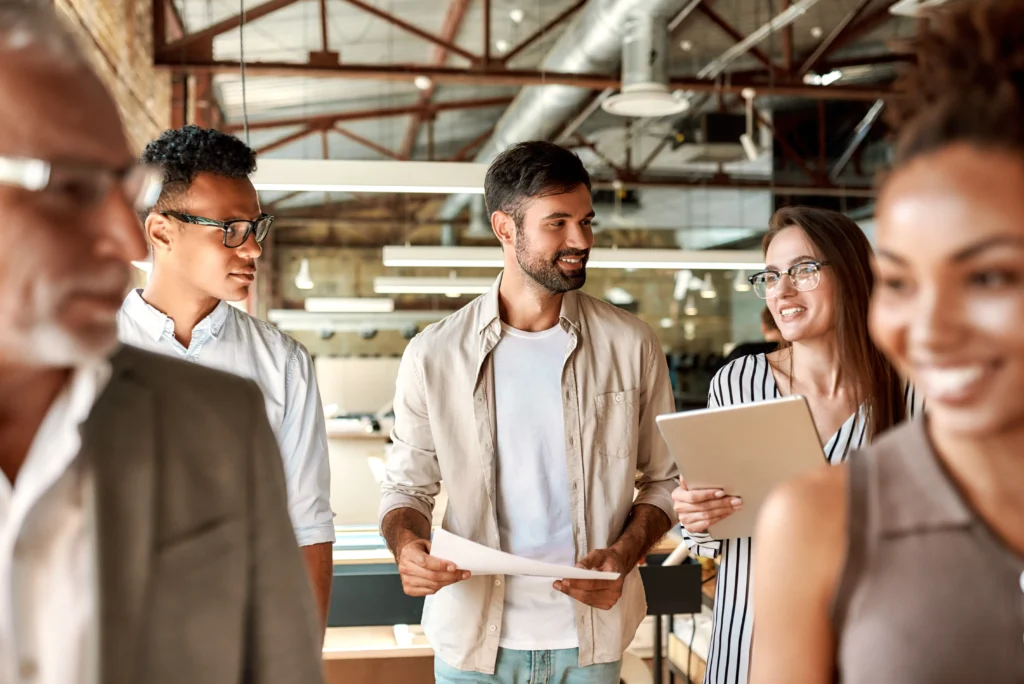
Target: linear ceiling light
(443, 286)
(295, 319)
(491, 257)
(334, 175)
(350, 304)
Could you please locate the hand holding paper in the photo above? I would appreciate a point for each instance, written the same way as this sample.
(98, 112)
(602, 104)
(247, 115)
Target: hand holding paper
(481, 560)
(421, 573)
(599, 594)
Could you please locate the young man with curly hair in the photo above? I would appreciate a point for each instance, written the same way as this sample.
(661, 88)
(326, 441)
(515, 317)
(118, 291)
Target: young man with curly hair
(205, 232)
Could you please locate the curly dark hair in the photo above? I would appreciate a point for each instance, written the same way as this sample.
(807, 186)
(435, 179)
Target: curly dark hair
(185, 152)
(968, 84)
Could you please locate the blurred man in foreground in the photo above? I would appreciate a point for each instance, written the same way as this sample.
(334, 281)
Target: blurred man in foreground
(144, 535)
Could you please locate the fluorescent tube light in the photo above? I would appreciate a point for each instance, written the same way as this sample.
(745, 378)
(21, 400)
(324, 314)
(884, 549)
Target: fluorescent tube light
(442, 286)
(668, 259)
(296, 319)
(335, 175)
(350, 305)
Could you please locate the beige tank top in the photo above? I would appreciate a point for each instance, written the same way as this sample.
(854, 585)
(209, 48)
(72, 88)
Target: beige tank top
(928, 594)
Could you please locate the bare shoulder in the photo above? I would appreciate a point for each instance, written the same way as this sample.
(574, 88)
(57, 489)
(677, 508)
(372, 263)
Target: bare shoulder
(808, 513)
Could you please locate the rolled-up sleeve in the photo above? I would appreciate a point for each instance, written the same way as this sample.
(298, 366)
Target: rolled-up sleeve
(657, 474)
(413, 477)
(303, 441)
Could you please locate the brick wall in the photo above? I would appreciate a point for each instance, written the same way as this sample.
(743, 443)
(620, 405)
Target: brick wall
(117, 36)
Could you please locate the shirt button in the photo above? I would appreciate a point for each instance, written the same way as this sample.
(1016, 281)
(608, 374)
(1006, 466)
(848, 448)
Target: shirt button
(618, 398)
(570, 441)
(497, 583)
(492, 628)
(27, 669)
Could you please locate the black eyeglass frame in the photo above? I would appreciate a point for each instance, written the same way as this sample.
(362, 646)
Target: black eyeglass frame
(250, 226)
(789, 272)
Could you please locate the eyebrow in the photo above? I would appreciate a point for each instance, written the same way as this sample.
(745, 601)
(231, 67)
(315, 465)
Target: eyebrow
(794, 262)
(562, 214)
(965, 254)
(985, 245)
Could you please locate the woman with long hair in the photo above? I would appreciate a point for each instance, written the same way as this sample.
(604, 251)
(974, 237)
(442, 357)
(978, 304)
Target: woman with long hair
(907, 564)
(817, 285)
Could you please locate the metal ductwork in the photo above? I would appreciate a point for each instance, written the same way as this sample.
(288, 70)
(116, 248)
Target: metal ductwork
(645, 91)
(592, 43)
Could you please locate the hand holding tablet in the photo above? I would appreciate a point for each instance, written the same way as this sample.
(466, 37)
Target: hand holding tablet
(744, 451)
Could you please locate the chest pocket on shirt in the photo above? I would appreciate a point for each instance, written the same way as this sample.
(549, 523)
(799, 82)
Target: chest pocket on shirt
(617, 416)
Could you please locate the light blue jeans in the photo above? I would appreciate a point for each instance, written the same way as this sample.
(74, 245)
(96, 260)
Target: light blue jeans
(532, 667)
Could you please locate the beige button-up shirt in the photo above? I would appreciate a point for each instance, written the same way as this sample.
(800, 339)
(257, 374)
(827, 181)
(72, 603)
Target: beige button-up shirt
(614, 383)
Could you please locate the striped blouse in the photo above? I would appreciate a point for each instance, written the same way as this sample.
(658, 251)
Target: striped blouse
(747, 380)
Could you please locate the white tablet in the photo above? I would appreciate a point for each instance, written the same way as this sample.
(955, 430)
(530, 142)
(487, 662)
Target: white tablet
(745, 450)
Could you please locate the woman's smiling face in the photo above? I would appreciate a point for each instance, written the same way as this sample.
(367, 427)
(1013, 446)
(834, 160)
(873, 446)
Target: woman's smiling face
(948, 307)
(799, 315)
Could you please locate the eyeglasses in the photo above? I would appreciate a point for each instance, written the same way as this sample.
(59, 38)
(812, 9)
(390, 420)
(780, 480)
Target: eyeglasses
(805, 276)
(84, 184)
(235, 232)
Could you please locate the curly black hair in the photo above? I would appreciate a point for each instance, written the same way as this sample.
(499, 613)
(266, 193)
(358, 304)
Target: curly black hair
(185, 152)
(968, 83)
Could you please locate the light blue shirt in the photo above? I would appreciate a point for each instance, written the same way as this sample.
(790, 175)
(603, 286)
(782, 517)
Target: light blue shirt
(233, 341)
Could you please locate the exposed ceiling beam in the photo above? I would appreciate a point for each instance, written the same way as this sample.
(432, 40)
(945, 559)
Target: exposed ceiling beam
(449, 30)
(749, 75)
(590, 145)
(542, 31)
(469, 147)
(327, 120)
(826, 44)
(368, 144)
(731, 30)
(787, 42)
(414, 30)
(179, 48)
(868, 23)
(323, 26)
(512, 77)
(281, 142)
(487, 31)
(725, 182)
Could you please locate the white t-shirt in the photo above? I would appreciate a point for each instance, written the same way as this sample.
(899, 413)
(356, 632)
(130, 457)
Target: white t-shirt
(533, 485)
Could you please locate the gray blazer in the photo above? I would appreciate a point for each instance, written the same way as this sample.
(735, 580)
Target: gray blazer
(200, 578)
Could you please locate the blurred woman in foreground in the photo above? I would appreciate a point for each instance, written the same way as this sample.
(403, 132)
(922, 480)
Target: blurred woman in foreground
(907, 564)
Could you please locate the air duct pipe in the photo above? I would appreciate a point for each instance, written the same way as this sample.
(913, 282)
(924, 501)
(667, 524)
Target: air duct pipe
(591, 44)
(645, 91)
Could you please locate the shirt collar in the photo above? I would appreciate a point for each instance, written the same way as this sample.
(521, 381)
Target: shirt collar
(156, 323)
(490, 312)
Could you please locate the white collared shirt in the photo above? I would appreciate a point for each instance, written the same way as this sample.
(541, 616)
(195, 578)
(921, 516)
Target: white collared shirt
(232, 341)
(48, 577)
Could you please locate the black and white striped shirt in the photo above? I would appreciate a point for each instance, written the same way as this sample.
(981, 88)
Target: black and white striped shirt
(747, 380)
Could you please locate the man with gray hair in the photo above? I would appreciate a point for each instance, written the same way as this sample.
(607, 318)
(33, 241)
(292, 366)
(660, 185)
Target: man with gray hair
(131, 550)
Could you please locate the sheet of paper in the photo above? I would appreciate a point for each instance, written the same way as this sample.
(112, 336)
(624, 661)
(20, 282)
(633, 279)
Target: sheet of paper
(481, 560)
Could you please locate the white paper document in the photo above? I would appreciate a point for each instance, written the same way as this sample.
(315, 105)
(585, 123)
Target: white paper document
(481, 560)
